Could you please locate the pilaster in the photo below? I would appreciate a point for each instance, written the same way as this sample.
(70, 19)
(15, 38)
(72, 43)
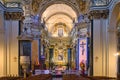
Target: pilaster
(12, 19)
(100, 50)
(12, 49)
(13, 15)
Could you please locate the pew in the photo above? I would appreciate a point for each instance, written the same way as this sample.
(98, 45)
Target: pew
(10, 78)
(39, 77)
(76, 77)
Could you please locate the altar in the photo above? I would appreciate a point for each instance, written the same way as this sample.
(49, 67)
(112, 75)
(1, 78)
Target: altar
(60, 68)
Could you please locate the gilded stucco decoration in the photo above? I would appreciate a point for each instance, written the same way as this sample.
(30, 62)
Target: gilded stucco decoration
(97, 14)
(35, 5)
(82, 5)
(13, 15)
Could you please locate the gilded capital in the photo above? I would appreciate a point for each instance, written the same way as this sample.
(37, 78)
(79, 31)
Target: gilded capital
(97, 14)
(13, 15)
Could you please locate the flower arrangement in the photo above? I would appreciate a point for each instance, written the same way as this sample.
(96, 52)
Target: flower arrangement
(82, 66)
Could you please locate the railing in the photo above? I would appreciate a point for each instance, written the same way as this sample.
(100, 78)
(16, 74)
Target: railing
(100, 2)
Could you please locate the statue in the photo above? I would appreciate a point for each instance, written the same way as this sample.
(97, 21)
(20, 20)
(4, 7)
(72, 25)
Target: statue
(35, 5)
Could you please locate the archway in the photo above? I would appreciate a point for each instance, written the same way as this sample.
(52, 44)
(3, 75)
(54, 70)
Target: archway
(113, 39)
(58, 13)
(59, 20)
(49, 3)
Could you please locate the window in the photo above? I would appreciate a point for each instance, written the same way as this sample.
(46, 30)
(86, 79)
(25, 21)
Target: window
(60, 32)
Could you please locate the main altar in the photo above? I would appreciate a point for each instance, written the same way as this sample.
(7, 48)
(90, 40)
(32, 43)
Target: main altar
(60, 57)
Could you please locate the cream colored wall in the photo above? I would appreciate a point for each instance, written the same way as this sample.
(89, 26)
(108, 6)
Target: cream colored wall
(112, 63)
(1, 53)
(112, 38)
(2, 45)
(12, 47)
(112, 49)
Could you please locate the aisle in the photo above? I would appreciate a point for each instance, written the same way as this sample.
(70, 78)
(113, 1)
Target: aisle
(57, 79)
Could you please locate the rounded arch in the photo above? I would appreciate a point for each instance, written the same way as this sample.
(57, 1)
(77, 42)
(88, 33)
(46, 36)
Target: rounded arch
(113, 9)
(74, 7)
(112, 35)
(59, 13)
(114, 15)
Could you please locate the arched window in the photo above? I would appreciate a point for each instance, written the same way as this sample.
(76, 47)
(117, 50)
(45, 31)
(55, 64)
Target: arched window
(60, 32)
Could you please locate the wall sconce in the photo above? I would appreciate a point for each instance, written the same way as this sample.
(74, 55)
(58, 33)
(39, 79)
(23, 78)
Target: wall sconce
(116, 54)
(15, 59)
(96, 58)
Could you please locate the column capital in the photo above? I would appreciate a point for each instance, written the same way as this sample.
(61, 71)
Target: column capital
(97, 14)
(13, 15)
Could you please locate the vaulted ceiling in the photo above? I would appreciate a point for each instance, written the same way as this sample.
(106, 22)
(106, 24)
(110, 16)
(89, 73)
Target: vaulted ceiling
(58, 15)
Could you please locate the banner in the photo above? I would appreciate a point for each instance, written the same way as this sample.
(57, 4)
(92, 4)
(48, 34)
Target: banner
(83, 53)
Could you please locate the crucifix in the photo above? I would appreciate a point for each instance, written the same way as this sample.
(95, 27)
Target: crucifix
(82, 46)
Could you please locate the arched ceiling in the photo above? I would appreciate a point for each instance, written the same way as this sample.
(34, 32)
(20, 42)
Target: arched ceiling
(56, 11)
(59, 13)
(59, 8)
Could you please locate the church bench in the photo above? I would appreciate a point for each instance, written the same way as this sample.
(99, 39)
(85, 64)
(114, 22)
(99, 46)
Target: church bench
(10, 78)
(39, 77)
(101, 78)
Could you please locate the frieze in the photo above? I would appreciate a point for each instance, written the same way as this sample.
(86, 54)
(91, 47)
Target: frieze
(97, 14)
(13, 15)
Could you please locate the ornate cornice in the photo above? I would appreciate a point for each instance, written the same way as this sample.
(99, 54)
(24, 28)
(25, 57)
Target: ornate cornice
(97, 14)
(13, 15)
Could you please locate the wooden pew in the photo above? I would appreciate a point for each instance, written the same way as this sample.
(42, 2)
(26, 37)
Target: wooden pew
(39, 77)
(10, 78)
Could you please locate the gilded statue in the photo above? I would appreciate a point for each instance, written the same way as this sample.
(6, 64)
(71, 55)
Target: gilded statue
(82, 5)
(35, 5)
